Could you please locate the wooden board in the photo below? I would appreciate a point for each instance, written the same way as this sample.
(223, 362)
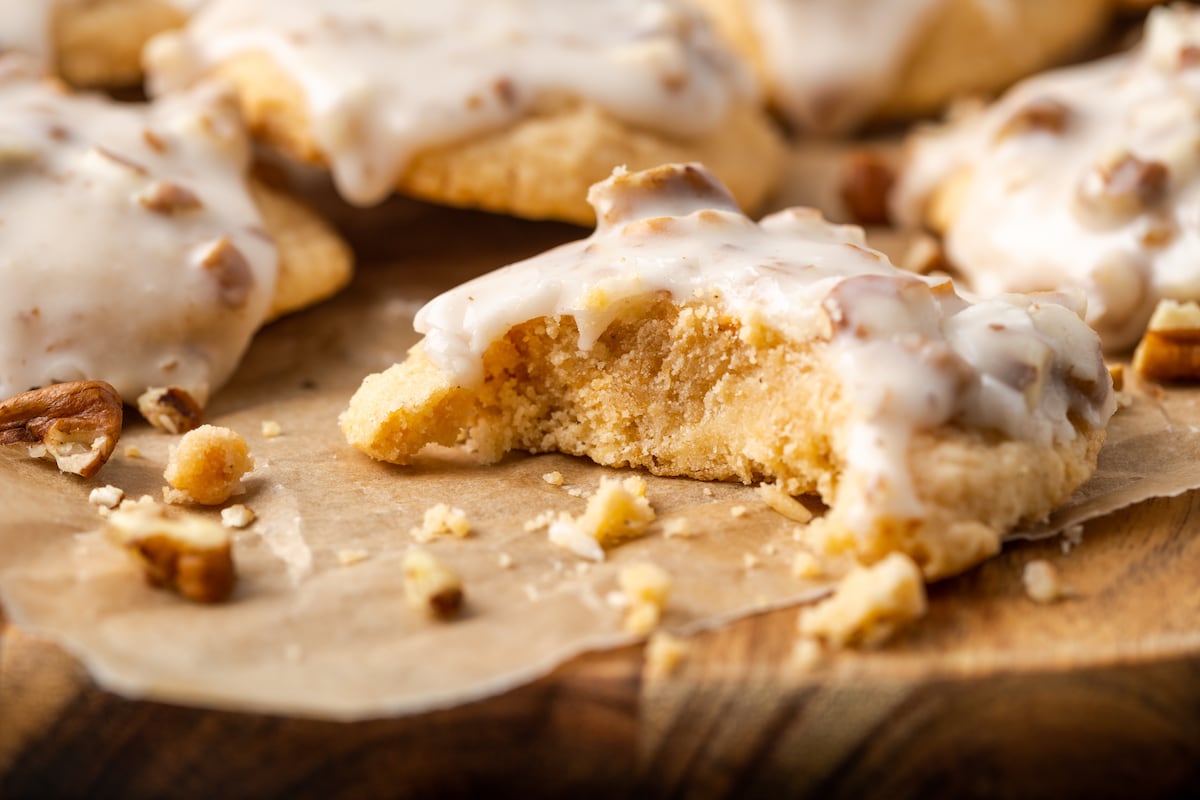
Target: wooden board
(990, 696)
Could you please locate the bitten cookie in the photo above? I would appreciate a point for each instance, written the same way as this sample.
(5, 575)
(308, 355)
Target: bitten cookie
(686, 339)
(1087, 177)
(514, 107)
(832, 65)
(132, 250)
(89, 43)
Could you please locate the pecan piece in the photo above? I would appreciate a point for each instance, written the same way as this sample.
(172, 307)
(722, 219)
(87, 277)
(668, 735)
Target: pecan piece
(1116, 190)
(77, 424)
(1170, 350)
(187, 553)
(170, 409)
(431, 586)
(866, 183)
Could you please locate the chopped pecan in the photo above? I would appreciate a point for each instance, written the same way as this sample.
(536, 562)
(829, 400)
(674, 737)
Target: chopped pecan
(1170, 350)
(187, 553)
(77, 424)
(1118, 189)
(166, 197)
(1044, 114)
(866, 183)
(231, 269)
(170, 409)
(430, 585)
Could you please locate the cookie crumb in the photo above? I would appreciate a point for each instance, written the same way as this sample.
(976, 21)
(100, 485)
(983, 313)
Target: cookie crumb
(806, 566)
(207, 466)
(807, 653)
(707, 491)
(749, 561)
(664, 654)
(869, 605)
(1042, 584)
(553, 478)
(783, 503)
(617, 512)
(133, 451)
(646, 587)
(504, 561)
(431, 586)
(677, 528)
(439, 520)
(107, 497)
(237, 516)
(271, 429)
(351, 556)
(737, 512)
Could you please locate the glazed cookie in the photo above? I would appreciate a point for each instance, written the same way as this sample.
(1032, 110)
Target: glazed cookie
(686, 339)
(1087, 177)
(514, 107)
(131, 249)
(90, 43)
(831, 65)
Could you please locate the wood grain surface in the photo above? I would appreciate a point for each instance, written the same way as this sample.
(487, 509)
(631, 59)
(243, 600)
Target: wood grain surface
(989, 696)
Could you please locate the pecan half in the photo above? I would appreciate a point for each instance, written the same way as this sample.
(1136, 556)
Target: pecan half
(77, 424)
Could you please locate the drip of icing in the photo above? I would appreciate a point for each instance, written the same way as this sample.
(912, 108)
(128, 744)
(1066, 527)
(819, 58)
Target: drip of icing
(1087, 177)
(911, 353)
(383, 80)
(130, 249)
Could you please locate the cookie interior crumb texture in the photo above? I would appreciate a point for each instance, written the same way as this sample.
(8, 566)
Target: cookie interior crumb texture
(207, 465)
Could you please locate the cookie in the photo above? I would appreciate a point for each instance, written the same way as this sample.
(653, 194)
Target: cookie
(132, 250)
(516, 109)
(1083, 178)
(89, 43)
(683, 338)
(831, 65)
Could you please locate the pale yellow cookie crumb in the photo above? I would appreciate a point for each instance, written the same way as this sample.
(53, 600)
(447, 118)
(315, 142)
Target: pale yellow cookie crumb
(431, 586)
(749, 561)
(106, 497)
(737, 512)
(617, 512)
(504, 561)
(806, 566)
(783, 503)
(664, 654)
(440, 520)
(542, 520)
(646, 587)
(870, 604)
(677, 528)
(553, 478)
(237, 516)
(133, 451)
(207, 466)
(1042, 583)
(351, 556)
(707, 491)
(807, 653)
(271, 429)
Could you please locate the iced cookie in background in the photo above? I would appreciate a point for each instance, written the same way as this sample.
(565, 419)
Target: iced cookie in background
(684, 338)
(831, 66)
(89, 43)
(1087, 177)
(513, 107)
(132, 249)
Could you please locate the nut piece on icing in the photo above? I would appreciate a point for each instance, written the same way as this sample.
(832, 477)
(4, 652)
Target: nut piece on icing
(231, 271)
(1043, 114)
(77, 424)
(1122, 187)
(431, 586)
(181, 551)
(170, 409)
(1170, 350)
(207, 466)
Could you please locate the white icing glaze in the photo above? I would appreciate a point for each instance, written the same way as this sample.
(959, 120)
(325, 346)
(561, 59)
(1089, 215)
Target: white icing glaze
(384, 79)
(911, 353)
(832, 62)
(1033, 213)
(25, 27)
(102, 279)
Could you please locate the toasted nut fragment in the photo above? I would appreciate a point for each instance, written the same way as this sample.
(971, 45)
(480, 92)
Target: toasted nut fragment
(646, 588)
(237, 516)
(870, 604)
(77, 424)
(185, 552)
(170, 409)
(1117, 373)
(1044, 114)
(106, 497)
(207, 465)
(553, 478)
(1041, 582)
(1116, 190)
(271, 429)
(1170, 349)
(165, 197)
(866, 184)
(431, 586)
(784, 503)
(231, 270)
(441, 519)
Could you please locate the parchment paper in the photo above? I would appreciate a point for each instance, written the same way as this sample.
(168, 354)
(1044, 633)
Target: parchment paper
(306, 635)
